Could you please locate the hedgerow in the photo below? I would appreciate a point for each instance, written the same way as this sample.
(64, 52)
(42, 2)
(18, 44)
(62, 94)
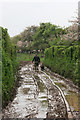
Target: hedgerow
(64, 60)
(9, 64)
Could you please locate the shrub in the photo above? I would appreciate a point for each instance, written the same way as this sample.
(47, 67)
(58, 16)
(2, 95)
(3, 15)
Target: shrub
(64, 60)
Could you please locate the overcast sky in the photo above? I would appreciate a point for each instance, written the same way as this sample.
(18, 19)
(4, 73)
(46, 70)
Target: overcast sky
(16, 15)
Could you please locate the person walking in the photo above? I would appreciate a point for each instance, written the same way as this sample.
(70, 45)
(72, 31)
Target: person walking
(36, 61)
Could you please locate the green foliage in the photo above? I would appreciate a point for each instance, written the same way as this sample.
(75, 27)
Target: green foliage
(9, 65)
(24, 57)
(15, 39)
(28, 57)
(64, 60)
(39, 37)
(26, 37)
(47, 35)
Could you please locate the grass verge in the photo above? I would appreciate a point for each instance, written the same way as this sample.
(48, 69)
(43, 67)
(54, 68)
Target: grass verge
(28, 57)
(73, 100)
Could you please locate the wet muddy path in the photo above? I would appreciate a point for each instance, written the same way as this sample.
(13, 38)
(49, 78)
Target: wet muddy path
(41, 95)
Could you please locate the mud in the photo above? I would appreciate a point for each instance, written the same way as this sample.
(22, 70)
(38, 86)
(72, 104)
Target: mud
(38, 95)
(70, 91)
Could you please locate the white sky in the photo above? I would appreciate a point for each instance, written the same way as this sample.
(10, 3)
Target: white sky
(16, 15)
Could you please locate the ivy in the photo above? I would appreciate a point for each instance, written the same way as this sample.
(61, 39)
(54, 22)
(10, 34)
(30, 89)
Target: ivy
(9, 64)
(64, 60)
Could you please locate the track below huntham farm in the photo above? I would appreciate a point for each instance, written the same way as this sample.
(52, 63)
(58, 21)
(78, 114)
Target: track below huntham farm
(41, 94)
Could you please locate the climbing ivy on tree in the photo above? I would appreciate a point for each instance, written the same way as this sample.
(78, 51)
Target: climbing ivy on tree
(65, 61)
(9, 64)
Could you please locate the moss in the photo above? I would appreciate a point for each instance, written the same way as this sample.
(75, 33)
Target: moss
(36, 77)
(61, 85)
(41, 86)
(43, 97)
(46, 77)
(44, 101)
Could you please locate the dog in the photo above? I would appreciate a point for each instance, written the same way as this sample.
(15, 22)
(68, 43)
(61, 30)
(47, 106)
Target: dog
(42, 67)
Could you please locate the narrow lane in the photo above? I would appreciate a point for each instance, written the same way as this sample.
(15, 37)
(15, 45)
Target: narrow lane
(37, 97)
(56, 104)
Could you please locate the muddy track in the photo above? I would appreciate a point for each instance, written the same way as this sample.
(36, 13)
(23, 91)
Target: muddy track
(37, 97)
(58, 96)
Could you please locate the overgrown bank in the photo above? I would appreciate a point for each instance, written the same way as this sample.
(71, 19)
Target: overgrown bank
(9, 65)
(65, 61)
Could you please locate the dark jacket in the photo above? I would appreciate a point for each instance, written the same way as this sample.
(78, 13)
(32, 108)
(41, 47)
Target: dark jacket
(36, 59)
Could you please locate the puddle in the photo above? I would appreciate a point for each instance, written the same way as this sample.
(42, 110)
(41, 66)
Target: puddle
(28, 101)
(37, 97)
